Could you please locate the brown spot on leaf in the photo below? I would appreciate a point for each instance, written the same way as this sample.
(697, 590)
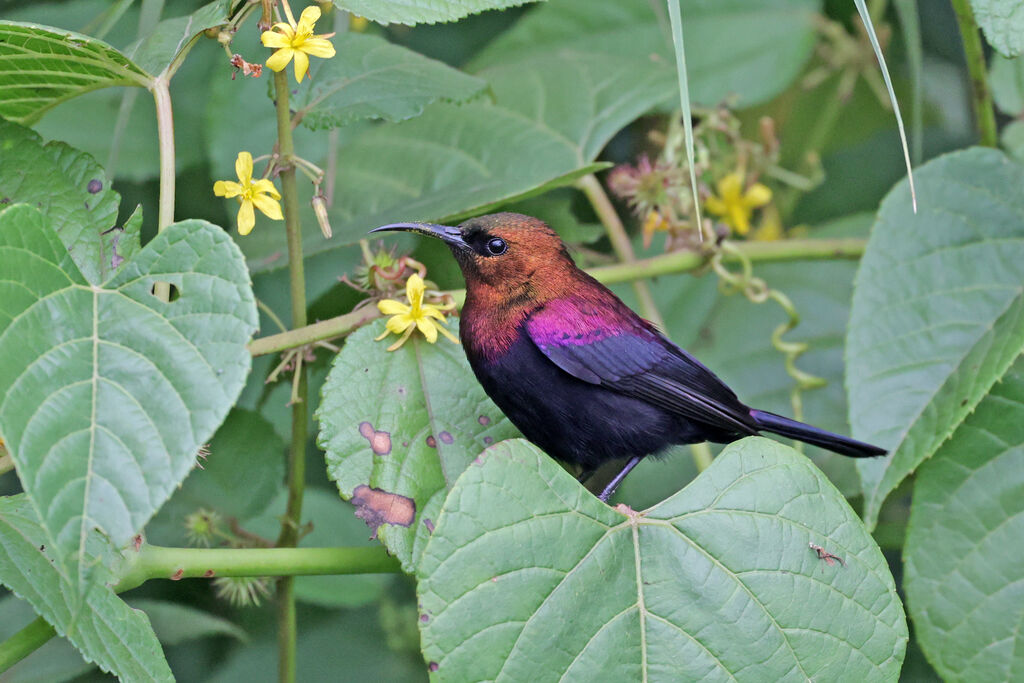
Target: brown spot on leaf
(446, 437)
(433, 666)
(484, 420)
(429, 524)
(488, 440)
(424, 618)
(137, 542)
(380, 441)
(431, 441)
(376, 507)
(94, 186)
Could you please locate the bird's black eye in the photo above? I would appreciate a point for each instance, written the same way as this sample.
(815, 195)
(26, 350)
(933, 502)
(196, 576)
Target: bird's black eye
(496, 246)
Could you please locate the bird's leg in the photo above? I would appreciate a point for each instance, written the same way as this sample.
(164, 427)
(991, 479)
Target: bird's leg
(614, 483)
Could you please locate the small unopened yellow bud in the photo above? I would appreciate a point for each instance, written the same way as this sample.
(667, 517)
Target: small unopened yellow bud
(320, 211)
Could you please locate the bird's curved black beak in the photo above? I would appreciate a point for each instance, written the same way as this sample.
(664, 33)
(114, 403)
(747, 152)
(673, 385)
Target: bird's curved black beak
(451, 236)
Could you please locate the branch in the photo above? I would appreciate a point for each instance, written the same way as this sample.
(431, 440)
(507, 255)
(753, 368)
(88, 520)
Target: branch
(666, 264)
(157, 562)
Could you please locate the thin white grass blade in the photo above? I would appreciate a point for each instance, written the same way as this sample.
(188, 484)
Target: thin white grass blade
(676, 20)
(862, 9)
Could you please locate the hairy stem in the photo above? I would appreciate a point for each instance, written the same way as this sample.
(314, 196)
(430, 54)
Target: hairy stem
(24, 642)
(297, 453)
(665, 264)
(974, 54)
(156, 562)
(620, 242)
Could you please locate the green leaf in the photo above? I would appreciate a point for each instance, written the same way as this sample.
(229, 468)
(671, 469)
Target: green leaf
(175, 623)
(964, 559)
(938, 311)
(399, 427)
(41, 66)
(584, 98)
(103, 628)
(372, 78)
(1007, 80)
(158, 50)
(333, 523)
(1003, 24)
(412, 12)
(103, 413)
(1012, 140)
(748, 48)
(702, 586)
(451, 162)
(71, 189)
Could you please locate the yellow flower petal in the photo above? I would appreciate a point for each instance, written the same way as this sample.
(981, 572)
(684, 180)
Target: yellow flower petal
(275, 39)
(449, 335)
(399, 323)
(243, 167)
(264, 186)
(246, 218)
(739, 218)
(318, 47)
(301, 65)
(757, 195)
(392, 307)
(268, 206)
(428, 329)
(729, 186)
(227, 188)
(432, 311)
(401, 340)
(414, 290)
(308, 17)
(716, 206)
(279, 60)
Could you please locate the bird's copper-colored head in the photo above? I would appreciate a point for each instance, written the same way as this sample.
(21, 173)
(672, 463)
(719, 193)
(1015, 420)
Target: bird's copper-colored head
(508, 259)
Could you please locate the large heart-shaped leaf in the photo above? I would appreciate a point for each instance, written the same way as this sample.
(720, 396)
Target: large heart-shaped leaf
(964, 556)
(161, 46)
(412, 12)
(41, 66)
(108, 392)
(103, 628)
(938, 310)
(61, 181)
(372, 78)
(399, 428)
(748, 48)
(529, 577)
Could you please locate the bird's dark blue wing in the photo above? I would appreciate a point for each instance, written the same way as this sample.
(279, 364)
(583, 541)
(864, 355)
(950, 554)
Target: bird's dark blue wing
(606, 346)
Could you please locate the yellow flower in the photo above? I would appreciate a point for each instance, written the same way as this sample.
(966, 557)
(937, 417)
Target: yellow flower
(416, 315)
(770, 229)
(296, 40)
(262, 194)
(654, 222)
(734, 205)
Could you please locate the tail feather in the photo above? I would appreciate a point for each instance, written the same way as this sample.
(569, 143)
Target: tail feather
(783, 426)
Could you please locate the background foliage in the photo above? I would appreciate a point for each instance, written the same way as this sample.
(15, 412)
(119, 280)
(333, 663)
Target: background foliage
(129, 360)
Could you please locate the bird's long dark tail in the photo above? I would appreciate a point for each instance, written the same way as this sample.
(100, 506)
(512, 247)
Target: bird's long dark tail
(783, 426)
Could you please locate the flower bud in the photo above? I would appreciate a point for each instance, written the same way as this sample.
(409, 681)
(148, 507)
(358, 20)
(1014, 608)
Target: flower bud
(320, 211)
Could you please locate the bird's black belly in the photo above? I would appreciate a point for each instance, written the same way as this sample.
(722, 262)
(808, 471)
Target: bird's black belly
(573, 420)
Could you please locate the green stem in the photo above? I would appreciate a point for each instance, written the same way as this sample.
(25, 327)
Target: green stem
(156, 562)
(974, 54)
(289, 536)
(24, 642)
(165, 135)
(620, 242)
(665, 264)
